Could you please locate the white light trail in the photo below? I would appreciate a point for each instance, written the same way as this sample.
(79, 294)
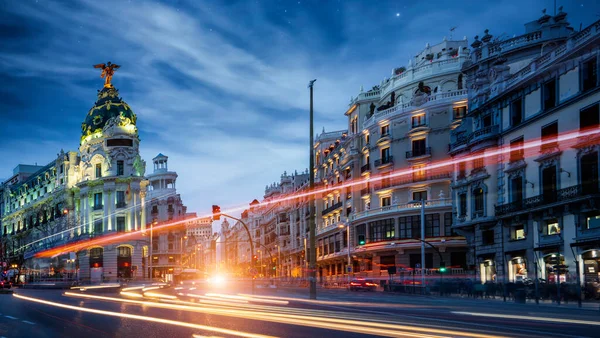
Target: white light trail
(145, 318)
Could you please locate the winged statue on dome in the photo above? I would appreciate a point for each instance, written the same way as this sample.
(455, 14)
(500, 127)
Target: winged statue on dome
(108, 70)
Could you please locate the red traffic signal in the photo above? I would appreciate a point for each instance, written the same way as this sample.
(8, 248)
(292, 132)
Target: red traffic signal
(216, 210)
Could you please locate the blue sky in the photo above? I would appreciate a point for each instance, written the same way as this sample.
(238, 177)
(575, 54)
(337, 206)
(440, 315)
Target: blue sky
(219, 86)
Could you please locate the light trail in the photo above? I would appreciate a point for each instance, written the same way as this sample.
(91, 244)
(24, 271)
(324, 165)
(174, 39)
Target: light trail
(565, 140)
(144, 318)
(88, 224)
(247, 298)
(332, 302)
(333, 321)
(541, 319)
(131, 294)
(131, 288)
(105, 286)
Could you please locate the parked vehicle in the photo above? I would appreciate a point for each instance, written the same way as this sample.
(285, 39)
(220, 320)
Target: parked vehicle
(5, 284)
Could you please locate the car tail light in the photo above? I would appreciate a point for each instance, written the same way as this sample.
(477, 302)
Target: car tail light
(371, 284)
(354, 284)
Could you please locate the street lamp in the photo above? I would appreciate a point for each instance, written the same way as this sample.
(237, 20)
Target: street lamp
(312, 254)
(347, 226)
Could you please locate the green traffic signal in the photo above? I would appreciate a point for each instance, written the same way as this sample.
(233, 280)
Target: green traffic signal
(361, 242)
(442, 266)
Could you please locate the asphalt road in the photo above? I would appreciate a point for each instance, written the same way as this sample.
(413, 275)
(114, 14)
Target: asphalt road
(181, 312)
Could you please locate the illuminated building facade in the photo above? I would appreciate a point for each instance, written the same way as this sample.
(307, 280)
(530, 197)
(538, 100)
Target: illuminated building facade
(99, 190)
(164, 205)
(404, 123)
(533, 210)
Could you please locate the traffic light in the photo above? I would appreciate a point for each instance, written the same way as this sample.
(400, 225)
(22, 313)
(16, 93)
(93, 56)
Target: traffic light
(255, 260)
(442, 267)
(361, 239)
(216, 212)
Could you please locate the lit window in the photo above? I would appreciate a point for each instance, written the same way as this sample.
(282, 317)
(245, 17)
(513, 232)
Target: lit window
(553, 228)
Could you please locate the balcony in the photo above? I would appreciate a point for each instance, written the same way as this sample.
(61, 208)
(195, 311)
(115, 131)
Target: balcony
(365, 191)
(480, 135)
(418, 153)
(543, 200)
(384, 161)
(121, 204)
(413, 206)
(365, 168)
(98, 207)
(332, 208)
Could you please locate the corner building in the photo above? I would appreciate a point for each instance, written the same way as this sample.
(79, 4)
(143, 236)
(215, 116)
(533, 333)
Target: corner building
(401, 125)
(532, 211)
(100, 190)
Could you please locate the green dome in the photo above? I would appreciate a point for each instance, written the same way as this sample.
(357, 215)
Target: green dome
(109, 105)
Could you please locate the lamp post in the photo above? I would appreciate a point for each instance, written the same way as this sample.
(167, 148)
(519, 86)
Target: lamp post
(151, 258)
(347, 226)
(312, 264)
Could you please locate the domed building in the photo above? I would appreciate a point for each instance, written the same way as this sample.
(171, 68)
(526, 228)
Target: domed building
(111, 188)
(83, 215)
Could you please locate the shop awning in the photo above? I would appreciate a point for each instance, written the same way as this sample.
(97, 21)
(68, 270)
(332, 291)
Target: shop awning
(587, 241)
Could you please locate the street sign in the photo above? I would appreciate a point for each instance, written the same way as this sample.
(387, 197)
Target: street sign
(348, 268)
(417, 266)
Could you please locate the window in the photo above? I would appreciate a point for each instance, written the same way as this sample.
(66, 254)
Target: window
(589, 74)
(459, 112)
(516, 149)
(98, 170)
(120, 168)
(62, 168)
(549, 91)
(549, 135)
(418, 120)
(478, 163)
(462, 202)
(487, 237)
(448, 231)
(361, 234)
(98, 227)
(486, 121)
(337, 243)
(516, 189)
(367, 139)
(593, 221)
(419, 173)
(516, 112)
(385, 130)
(552, 227)
(518, 232)
(462, 169)
(98, 201)
(171, 260)
(409, 227)
(589, 117)
(478, 200)
(385, 155)
(419, 196)
(124, 251)
(432, 225)
(121, 224)
(418, 147)
(381, 230)
(120, 199)
(386, 201)
(154, 209)
(96, 257)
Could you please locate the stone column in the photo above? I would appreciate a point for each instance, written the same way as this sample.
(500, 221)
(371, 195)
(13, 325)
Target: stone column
(143, 186)
(105, 202)
(135, 208)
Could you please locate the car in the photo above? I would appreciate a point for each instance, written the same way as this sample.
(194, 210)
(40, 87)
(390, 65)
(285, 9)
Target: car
(362, 284)
(5, 284)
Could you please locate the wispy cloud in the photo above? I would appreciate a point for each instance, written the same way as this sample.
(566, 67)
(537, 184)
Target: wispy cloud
(220, 87)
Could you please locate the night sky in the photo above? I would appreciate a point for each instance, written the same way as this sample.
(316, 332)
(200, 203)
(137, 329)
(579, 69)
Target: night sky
(219, 86)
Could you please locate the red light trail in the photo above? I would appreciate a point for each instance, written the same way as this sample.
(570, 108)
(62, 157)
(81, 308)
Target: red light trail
(529, 149)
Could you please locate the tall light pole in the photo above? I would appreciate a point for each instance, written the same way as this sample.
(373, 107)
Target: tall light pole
(151, 258)
(422, 245)
(312, 265)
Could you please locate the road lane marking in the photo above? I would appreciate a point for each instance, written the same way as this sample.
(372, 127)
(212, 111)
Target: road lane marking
(541, 319)
(145, 318)
(11, 317)
(28, 322)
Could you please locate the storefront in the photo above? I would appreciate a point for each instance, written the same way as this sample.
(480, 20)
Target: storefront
(555, 268)
(517, 268)
(487, 270)
(591, 266)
